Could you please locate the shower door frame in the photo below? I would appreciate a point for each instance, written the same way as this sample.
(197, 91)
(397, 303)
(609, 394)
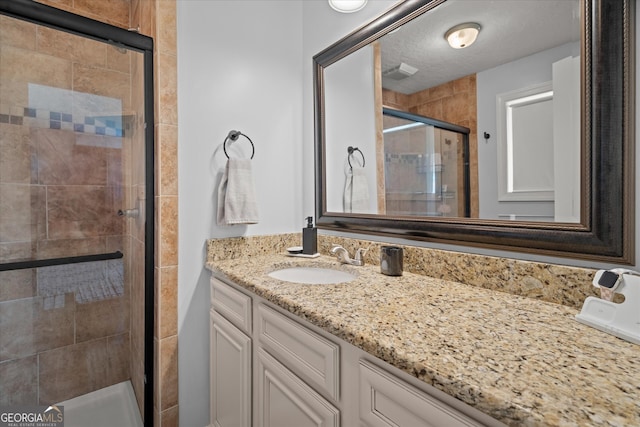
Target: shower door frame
(61, 20)
(462, 130)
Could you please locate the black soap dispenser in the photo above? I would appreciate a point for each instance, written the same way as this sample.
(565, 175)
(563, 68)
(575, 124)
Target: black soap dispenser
(309, 238)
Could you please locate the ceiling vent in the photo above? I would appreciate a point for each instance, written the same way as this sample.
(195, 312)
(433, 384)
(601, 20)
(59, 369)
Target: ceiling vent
(400, 72)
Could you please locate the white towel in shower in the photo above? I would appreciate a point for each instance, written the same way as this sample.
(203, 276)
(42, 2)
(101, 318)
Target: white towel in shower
(356, 191)
(236, 195)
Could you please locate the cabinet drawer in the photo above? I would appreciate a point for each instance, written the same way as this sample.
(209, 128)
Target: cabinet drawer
(309, 355)
(232, 304)
(386, 400)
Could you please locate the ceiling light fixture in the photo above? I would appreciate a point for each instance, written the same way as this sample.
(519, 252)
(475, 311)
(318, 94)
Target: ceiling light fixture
(347, 6)
(462, 35)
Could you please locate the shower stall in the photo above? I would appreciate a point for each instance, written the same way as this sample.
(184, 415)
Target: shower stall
(426, 166)
(76, 208)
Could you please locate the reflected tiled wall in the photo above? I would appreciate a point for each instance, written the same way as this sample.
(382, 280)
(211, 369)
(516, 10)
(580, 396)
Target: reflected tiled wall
(453, 102)
(65, 329)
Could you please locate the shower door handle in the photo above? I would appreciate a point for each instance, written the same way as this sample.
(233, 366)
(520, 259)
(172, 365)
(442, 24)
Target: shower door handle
(129, 213)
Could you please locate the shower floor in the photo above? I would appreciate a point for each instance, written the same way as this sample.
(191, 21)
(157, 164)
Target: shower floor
(108, 407)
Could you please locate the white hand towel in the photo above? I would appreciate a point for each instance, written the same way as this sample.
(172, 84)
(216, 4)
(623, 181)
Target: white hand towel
(236, 196)
(356, 191)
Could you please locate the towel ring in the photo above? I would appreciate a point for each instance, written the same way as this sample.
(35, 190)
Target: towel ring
(350, 150)
(233, 136)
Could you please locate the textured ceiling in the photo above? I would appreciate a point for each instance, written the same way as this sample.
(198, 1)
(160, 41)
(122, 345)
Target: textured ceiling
(511, 29)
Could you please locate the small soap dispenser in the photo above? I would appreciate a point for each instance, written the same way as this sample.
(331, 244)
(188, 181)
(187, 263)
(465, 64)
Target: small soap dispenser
(309, 238)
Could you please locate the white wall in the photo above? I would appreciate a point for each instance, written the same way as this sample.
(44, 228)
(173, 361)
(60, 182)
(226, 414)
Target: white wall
(523, 73)
(322, 27)
(350, 120)
(239, 67)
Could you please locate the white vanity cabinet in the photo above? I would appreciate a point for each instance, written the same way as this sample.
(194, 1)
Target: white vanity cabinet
(281, 371)
(387, 401)
(230, 356)
(295, 365)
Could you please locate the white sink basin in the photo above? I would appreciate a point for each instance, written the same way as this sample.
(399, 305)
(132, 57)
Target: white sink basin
(312, 275)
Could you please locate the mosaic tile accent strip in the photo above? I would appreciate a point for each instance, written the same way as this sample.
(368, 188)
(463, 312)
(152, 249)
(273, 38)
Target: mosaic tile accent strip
(42, 118)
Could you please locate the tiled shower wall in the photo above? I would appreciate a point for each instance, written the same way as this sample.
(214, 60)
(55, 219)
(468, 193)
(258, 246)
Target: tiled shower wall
(65, 329)
(453, 102)
(155, 18)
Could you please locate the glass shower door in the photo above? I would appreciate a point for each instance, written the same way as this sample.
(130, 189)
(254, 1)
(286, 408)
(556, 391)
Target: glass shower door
(72, 215)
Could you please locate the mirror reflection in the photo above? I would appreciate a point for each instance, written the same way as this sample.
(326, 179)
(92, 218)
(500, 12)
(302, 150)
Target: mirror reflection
(489, 131)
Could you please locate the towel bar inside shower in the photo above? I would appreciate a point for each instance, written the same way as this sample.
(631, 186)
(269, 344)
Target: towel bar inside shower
(22, 265)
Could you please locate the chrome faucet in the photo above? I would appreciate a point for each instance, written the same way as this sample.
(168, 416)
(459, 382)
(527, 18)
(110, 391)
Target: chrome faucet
(343, 255)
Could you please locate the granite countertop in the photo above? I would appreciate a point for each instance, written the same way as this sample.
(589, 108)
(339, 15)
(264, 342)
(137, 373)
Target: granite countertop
(519, 360)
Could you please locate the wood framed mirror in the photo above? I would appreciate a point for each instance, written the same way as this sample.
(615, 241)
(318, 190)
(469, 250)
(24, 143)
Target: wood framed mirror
(350, 92)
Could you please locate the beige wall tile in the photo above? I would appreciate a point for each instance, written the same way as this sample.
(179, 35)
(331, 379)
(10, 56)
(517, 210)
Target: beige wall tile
(137, 381)
(168, 372)
(118, 60)
(61, 161)
(21, 65)
(19, 385)
(74, 370)
(16, 149)
(145, 12)
(13, 251)
(166, 89)
(167, 160)
(17, 33)
(53, 248)
(166, 19)
(69, 46)
(169, 417)
(166, 307)
(118, 348)
(167, 231)
(28, 327)
(116, 11)
(17, 284)
(15, 213)
(60, 4)
(103, 82)
(102, 318)
(82, 211)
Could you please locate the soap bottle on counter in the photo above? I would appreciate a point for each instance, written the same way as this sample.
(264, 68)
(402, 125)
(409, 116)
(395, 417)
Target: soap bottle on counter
(309, 238)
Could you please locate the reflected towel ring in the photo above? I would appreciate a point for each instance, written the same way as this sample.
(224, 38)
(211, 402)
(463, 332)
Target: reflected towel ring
(350, 150)
(233, 136)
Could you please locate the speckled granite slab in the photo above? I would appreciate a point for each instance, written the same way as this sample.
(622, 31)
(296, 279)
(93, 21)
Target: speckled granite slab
(519, 360)
(546, 282)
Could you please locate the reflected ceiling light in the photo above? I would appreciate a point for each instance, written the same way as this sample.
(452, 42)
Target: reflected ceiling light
(347, 6)
(462, 35)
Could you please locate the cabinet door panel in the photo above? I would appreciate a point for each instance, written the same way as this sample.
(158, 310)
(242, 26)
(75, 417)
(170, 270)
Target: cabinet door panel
(230, 366)
(385, 401)
(284, 400)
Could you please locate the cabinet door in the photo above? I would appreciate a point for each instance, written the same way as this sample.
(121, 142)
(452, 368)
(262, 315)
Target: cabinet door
(284, 400)
(230, 374)
(386, 400)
